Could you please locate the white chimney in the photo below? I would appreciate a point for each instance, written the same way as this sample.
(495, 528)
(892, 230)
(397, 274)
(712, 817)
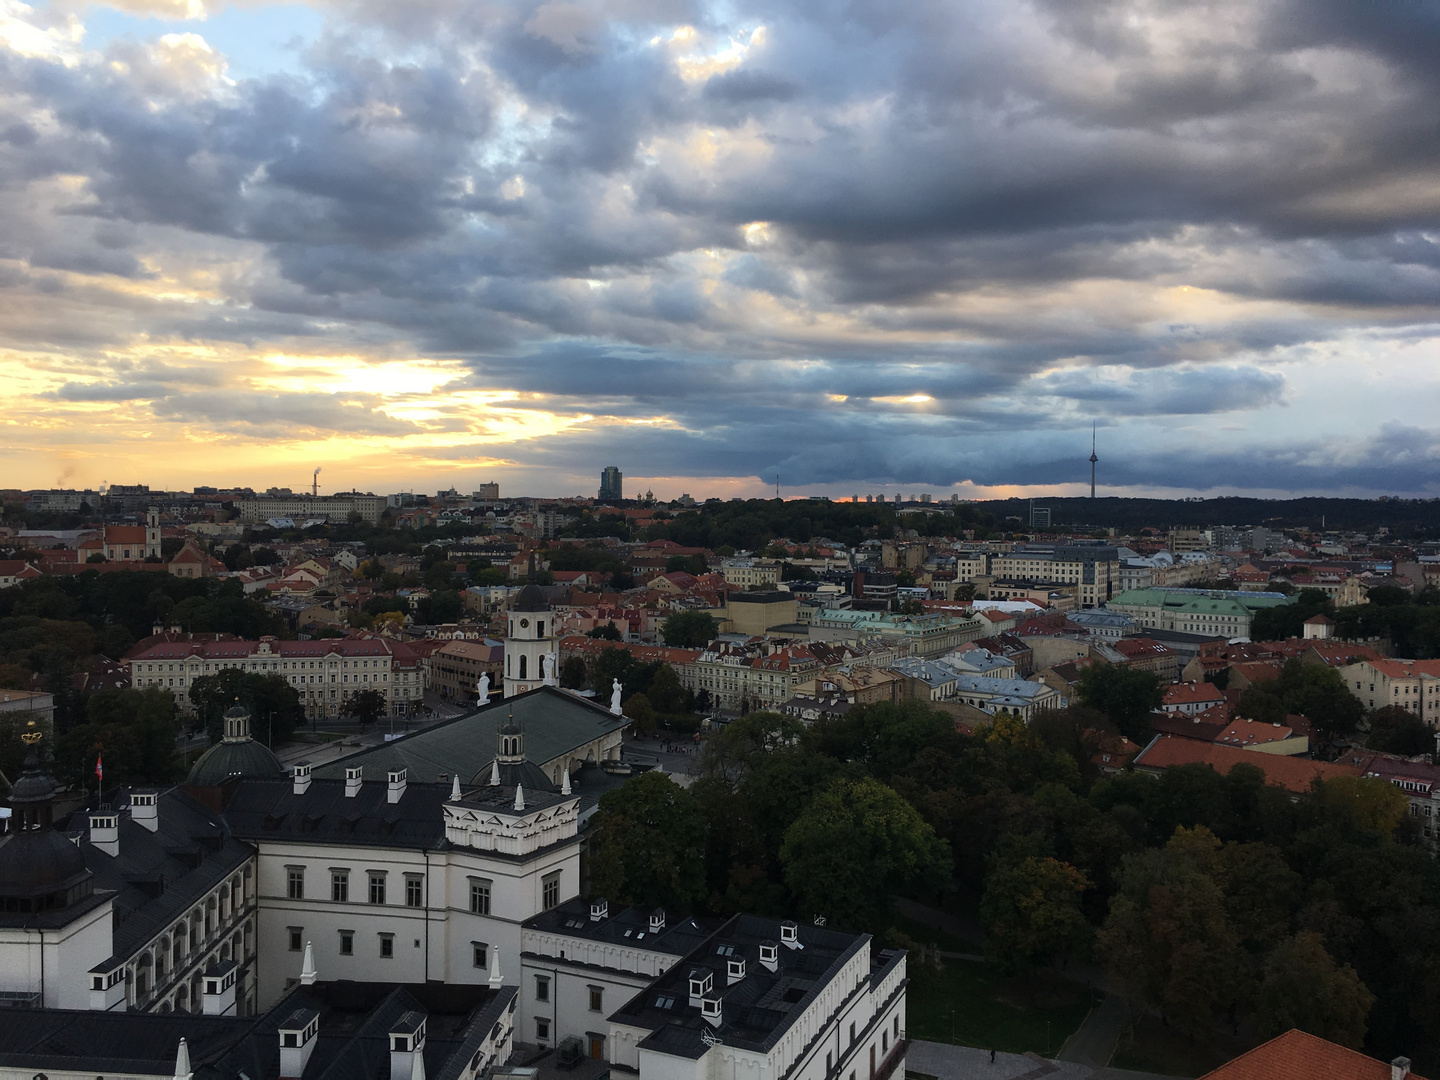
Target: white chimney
(1399, 1068)
(702, 982)
(354, 776)
(219, 988)
(710, 1010)
(657, 920)
(734, 970)
(599, 909)
(395, 779)
(297, 1042)
(144, 810)
(769, 955)
(105, 831)
(407, 1047)
(107, 988)
(790, 935)
(302, 777)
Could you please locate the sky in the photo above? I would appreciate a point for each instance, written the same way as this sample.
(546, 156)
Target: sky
(900, 246)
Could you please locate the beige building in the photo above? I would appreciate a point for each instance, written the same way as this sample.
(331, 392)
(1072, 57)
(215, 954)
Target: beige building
(302, 507)
(1414, 685)
(1094, 571)
(751, 573)
(456, 667)
(324, 673)
(755, 612)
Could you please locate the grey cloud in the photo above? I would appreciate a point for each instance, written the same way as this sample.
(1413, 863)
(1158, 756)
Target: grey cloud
(941, 184)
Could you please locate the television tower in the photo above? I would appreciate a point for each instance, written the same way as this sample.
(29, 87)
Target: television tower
(1093, 460)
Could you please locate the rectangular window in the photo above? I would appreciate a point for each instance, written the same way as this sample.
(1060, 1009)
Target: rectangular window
(340, 886)
(542, 988)
(387, 946)
(414, 891)
(542, 1030)
(550, 890)
(480, 954)
(377, 887)
(597, 999)
(479, 896)
(295, 882)
(296, 932)
(347, 942)
(852, 1032)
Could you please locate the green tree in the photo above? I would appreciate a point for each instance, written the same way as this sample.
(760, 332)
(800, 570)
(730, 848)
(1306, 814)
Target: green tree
(853, 846)
(639, 709)
(274, 705)
(666, 693)
(572, 673)
(608, 632)
(134, 730)
(688, 629)
(1288, 620)
(1394, 730)
(367, 706)
(1304, 988)
(647, 844)
(1124, 694)
(1167, 940)
(1031, 912)
(687, 564)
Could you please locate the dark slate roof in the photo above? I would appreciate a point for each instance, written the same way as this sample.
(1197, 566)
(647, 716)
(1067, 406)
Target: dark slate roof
(624, 926)
(105, 1043)
(270, 810)
(530, 599)
(237, 757)
(158, 876)
(556, 722)
(355, 1022)
(758, 1009)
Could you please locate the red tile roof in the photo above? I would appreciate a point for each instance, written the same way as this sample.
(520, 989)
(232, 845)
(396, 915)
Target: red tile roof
(1292, 774)
(1192, 693)
(1298, 1056)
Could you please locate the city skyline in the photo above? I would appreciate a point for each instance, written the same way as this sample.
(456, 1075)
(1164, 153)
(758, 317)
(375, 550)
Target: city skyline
(919, 248)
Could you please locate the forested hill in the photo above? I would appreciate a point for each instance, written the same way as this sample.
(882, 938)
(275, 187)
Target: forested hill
(1403, 516)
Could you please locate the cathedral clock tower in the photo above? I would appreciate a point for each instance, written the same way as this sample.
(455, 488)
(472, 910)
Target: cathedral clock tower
(530, 655)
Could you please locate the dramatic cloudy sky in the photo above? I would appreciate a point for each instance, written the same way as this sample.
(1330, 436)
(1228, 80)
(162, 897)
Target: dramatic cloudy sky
(871, 245)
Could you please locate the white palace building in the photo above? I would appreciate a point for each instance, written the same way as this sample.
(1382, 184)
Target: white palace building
(413, 911)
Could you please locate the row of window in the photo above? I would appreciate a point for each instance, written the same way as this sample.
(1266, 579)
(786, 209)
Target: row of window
(480, 888)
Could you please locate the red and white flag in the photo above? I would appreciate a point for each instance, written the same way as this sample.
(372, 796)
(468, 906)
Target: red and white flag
(99, 768)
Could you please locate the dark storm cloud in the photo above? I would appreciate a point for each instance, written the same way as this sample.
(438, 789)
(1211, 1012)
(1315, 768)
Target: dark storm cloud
(977, 203)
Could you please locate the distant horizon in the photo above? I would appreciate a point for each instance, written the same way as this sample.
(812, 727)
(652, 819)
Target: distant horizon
(929, 241)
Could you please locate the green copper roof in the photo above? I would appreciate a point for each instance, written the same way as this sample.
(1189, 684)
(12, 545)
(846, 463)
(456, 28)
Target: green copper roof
(555, 723)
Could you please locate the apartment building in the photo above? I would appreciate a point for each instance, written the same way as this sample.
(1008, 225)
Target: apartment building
(324, 673)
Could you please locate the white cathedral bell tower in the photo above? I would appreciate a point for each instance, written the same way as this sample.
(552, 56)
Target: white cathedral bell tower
(530, 645)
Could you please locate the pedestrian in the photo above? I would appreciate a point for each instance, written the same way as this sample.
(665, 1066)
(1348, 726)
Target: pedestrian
(992, 1057)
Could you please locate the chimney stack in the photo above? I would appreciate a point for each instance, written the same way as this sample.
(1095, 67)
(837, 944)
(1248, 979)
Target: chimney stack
(301, 776)
(396, 780)
(599, 909)
(144, 810)
(105, 830)
(354, 776)
(1399, 1068)
(219, 988)
(407, 1047)
(297, 1042)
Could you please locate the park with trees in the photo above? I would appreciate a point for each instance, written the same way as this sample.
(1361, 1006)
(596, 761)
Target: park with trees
(1208, 899)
